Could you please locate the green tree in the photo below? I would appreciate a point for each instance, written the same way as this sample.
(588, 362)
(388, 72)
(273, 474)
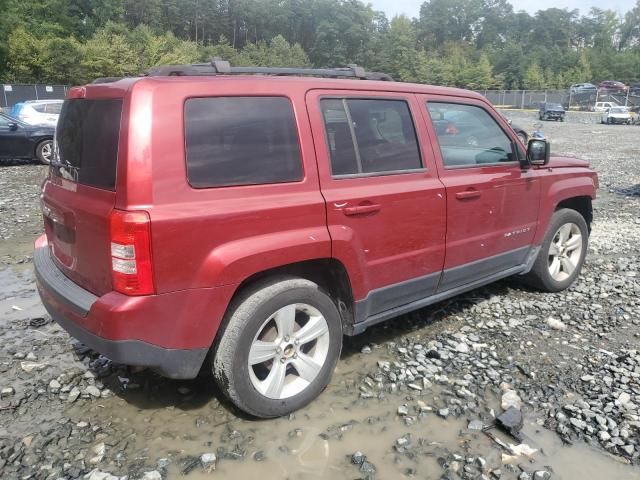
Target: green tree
(398, 55)
(444, 21)
(109, 53)
(24, 57)
(276, 53)
(534, 78)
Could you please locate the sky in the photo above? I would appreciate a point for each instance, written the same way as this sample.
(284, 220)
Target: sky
(412, 7)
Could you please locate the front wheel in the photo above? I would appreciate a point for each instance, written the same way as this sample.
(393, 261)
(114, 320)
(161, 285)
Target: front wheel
(44, 151)
(562, 252)
(279, 347)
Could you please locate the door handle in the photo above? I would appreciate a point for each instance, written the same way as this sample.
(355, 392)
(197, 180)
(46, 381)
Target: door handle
(467, 194)
(361, 209)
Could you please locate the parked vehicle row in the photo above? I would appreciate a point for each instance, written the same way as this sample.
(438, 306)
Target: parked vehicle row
(247, 232)
(38, 112)
(606, 86)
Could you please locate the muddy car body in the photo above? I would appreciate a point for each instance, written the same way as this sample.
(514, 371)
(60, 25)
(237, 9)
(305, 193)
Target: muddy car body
(284, 212)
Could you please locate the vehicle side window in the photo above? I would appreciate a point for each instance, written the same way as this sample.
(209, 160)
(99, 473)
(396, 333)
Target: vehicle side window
(54, 108)
(241, 141)
(469, 136)
(368, 136)
(41, 108)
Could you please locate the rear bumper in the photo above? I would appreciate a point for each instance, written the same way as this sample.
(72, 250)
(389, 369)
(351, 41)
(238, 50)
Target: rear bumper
(170, 333)
(172, 363)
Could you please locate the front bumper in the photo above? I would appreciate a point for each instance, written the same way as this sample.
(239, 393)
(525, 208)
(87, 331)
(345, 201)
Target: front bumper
(619, 120)
(170, 333)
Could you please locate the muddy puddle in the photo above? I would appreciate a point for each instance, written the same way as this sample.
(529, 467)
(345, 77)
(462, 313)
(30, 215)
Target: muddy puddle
(318, 441)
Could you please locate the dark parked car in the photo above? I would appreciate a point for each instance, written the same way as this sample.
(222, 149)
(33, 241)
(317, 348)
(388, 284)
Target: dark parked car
(612, 86)
(551, 111)
(20, 140)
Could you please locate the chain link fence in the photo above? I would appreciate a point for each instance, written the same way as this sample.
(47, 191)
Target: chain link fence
(531, 99)
(14, 93)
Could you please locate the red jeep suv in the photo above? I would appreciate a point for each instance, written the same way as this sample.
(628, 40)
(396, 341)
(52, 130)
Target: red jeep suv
(242, 220)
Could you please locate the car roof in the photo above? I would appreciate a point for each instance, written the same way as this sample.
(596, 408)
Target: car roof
(31, 102)
(307, 83)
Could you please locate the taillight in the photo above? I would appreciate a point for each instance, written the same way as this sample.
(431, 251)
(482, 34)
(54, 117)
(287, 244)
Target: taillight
(131, 266)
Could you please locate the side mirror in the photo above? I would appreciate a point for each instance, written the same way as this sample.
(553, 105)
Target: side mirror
(12, 126)
(538, 151)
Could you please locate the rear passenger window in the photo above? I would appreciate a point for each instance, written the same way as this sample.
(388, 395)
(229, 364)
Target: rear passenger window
(368, 136)
(241, 141)
(469, 136)
(54, 108)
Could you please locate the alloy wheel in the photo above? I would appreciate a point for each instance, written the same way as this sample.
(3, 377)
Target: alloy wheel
(289, 351)
(47, 151)
(565, 251)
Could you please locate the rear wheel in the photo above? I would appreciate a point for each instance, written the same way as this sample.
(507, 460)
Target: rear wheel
(44, 151)
(279, 347)
(562, 252)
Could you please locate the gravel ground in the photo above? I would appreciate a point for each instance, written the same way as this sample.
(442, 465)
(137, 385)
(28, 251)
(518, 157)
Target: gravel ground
(502, 382)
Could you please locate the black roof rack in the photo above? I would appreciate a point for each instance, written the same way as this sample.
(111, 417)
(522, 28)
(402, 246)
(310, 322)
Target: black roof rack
(221, 67)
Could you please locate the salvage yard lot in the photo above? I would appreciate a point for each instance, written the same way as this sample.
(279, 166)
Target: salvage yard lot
(410, 394)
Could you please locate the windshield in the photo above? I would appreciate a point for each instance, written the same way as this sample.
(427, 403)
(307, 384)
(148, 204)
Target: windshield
(554, 105)
(619, 110)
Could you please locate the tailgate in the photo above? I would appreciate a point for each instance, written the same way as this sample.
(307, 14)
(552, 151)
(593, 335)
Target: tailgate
(79, 194)
(76, 220)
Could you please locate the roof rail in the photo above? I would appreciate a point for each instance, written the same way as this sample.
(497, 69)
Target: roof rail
(221, 67)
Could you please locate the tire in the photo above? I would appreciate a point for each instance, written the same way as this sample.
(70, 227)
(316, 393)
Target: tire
(540, 276)
(562, 119)
(44, 151)
(523, 137)
(251, 322)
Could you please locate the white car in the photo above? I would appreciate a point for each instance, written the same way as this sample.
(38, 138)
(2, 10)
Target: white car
(617, 115)
(603, 106)
(38, 112)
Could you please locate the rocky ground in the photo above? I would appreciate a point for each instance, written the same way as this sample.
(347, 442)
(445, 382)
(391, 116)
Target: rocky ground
(502, 382)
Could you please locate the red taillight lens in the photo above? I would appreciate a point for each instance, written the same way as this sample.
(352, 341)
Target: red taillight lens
(131, 266)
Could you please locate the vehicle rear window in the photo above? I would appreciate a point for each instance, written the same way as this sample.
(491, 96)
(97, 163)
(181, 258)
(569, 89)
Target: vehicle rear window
(86, 147)
(241, 141)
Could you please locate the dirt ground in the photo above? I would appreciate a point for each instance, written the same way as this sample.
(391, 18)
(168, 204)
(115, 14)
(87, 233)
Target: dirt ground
(417, 396)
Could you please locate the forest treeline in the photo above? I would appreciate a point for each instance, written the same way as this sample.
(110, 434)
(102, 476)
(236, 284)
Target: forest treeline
(477, 44)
